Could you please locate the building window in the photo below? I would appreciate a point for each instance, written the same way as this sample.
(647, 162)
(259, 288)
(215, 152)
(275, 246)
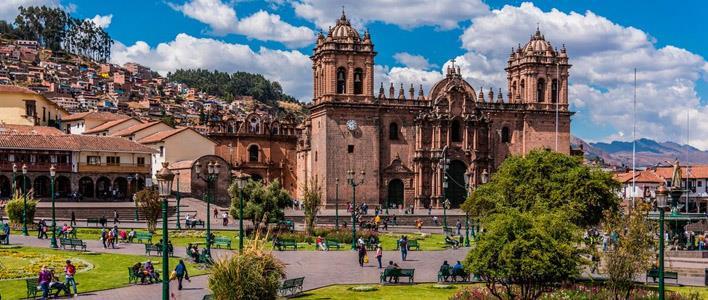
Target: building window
(113, 160)
(93, 160)
(700, 183)
(358, 81)
(554, 91)
(540, 90)
(30, 108)
(350, 148)
(162, 151)
(455, 135)
(505, 135)
(341, 80)
(393, 131)
(44, 114)
(523, 89)
(253, 153)
(141, 161)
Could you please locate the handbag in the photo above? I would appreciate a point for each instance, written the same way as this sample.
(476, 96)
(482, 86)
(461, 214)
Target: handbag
(173, 275)
(366, 259)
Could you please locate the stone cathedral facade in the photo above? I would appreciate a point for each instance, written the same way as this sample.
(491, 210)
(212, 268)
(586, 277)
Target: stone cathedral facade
(398, 135)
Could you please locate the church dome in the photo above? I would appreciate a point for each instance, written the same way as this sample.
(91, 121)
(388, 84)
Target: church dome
(538, 43)
(343, 29)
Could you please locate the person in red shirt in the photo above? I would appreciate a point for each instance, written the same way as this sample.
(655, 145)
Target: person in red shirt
(69, 272)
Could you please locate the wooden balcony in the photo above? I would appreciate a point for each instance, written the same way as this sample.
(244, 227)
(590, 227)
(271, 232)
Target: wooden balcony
(6, 166)
(114, 168)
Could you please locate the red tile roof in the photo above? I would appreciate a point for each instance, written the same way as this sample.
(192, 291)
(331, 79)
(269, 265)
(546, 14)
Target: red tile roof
(106, 126)
(72, 142)
(94, 115)
(161, 136)
(662, 174)
(10, 129)
(135, 128)
(15, 89)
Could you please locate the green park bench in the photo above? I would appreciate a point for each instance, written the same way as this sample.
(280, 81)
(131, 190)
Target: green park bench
(3, 239)
(149, 248)
(397, 273)
(220, 241)
(143, 236)
(132, 277)
(452, 273)
(447, 231)
(71, 234)
(411, 244)
(281, 244)
(291, 287)
(287, 224)
(31, 284)
(96, 221)
(193, 223)
(72, 243)
(449, 241)
(331, 244)
(654, 274)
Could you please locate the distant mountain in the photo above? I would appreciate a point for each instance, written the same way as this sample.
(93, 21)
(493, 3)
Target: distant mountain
(648, 152)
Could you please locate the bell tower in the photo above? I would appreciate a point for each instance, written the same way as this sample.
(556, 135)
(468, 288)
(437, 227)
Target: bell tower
(537, 73)
(343, 65)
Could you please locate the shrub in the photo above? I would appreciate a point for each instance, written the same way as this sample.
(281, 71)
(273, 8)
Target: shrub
(149, 203)
(13, 210)
(364, 288)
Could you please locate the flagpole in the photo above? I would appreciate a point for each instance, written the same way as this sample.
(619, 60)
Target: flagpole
(634, 138)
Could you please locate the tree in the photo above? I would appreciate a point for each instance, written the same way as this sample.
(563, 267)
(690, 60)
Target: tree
(633, 251)
(150, 205)
(311, 201)
(521, 254)
(13, 209)
(260, 200)
(547, 181)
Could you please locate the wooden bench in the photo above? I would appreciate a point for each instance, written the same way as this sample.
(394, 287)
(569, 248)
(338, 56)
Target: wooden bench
(411, 244)
(73, 243)
(132, 277)
(31, 284)
(397, 273)
(291, 287)
(149, 248)
(143, 236)
(454, 273)
(193, 223)
(281, 244)
(222, 241)
(96, 221)
(654, 274)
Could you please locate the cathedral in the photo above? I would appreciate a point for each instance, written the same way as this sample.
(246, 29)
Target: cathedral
(408, 148)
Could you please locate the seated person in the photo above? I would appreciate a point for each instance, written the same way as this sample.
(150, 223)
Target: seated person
(455, 243)
(131, 235)
(123, 235)
(151, 273)
(64, 230)
(373, 240)
(445, 271)
(139, 272)
(458, 270)
(194, 253)
(390, 270)
(57, 285)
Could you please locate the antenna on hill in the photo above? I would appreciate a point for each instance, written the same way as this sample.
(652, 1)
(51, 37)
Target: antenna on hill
(634, 139)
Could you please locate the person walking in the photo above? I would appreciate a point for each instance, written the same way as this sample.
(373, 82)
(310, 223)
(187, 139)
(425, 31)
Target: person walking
(104, 237)
(69, 272)
(403, 245)
(181, 273)
(216, 213)
(6, 232)
(73, 219)
(379, 254)
(459, 227)
(115, 217)
(362, 254)
(225, 218)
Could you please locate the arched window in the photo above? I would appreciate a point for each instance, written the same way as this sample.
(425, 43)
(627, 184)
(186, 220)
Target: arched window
(253, 153)
(554, 91)
(358, 81)
(523, 89)
(505, 135)
(540, 90)
(455, 131)
(341, 80)
(513, 90)
(393, 131)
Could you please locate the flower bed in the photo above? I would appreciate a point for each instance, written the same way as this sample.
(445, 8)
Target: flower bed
(579, 292)
(17, 265)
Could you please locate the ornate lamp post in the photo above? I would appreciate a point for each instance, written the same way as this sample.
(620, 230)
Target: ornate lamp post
(446, 206)
(179, 197)
(164, 185)
(14, 184)
(210, 179)
(136, 191)
(24, 196)
(240, 181)
(351, 180)
(52, 173)
(336, 203)
(661, 194)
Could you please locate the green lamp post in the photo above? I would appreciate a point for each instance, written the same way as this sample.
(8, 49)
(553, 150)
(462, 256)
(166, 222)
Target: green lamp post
(178, 196)
(52, 174)
(24, 197)
(164, 185)
(661, 194)
(354, 183)
(240, 180)
(210, 179)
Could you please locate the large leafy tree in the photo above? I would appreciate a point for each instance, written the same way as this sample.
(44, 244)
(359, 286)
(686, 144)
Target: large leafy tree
(521, 254)
(260, 200)
(547, 181)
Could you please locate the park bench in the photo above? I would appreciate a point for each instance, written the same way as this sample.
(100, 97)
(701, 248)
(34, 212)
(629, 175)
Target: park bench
(464, 276)
(96, 221)
(73, 243)
(31, 287)
(331, 244)
(193, 223)
(291, 287)
(281, 244)
(452, 242)
(71, 234)
(411, 244)
(143, 236)
(132, 277)
(397, 273)
(654, 274)
(222, 241)
(447, 231)
(3, 239)
(149, 248)
(287, 224)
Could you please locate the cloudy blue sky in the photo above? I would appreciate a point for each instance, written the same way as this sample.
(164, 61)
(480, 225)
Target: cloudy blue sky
(415, 39)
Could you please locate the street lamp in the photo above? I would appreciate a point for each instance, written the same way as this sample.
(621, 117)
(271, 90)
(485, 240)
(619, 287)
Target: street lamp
(136, 191)
(354, 184)
(24, 206)
(179, 197)
(52, 173)
(210, 179)
(14, 184)
(336, 203)
(164, 185)
(240, 181)
(446, 206)
(661, 194)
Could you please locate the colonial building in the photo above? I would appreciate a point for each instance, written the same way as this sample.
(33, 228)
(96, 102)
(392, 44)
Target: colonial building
(400, 138)
(22, 106)
(642, 184)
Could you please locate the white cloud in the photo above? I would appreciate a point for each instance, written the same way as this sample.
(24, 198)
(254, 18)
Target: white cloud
(8, 8)
(290, 68)
(405, 76)
(102, 21)
(412, 61)
(262, 25)
(604, 55)
(443, 14)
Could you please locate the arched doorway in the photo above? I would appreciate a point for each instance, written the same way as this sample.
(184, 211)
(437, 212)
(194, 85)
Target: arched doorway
(121, 184)
(86, 187)
(5, 187)
(395, 193)
(62, 186)
(103, 187)
(42, 186)
(456, 190)
(23, 188)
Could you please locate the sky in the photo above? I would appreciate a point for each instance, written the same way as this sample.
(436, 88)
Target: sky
(416, 39)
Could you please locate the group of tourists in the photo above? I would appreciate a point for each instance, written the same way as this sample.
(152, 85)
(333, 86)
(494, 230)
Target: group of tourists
(146, 272)
(191, 221)
(109, 238)
(48, 281)
(446, 271)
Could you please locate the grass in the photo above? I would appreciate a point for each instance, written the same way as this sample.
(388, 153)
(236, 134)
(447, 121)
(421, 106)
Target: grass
(109, 270)
(431, 242)
(687, 290)
(388, 292)
(190, 236)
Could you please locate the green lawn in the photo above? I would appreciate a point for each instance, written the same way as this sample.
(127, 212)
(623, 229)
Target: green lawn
(388, 292)
(109, 270)
(431, 242)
